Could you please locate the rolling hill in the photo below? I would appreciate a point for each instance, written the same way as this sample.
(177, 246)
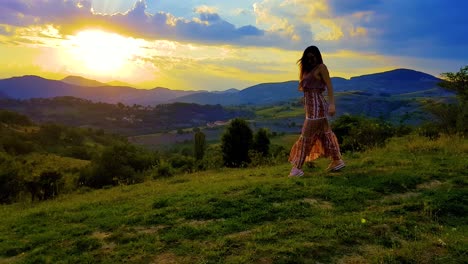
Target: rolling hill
(390, 83)
(29, 86)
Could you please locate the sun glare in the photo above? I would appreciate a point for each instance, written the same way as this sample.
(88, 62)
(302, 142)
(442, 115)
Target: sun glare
(103, 53)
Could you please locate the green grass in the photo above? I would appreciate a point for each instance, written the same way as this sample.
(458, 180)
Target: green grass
(280, 112)
(405, 203)
(286, 140)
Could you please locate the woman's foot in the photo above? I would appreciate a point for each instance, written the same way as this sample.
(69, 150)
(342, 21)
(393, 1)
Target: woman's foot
(336, 165)
(295, 172)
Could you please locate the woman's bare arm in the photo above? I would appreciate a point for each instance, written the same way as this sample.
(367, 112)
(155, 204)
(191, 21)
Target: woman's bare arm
(326, 78)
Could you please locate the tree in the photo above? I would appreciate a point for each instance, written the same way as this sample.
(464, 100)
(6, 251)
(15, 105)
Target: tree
(200, 145)
(452, 118)
(457, 82)
(261, 142)
(10, 180)
(236, 142)
(13, 118)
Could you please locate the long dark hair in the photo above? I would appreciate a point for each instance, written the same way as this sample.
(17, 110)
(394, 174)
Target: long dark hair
(305, 65)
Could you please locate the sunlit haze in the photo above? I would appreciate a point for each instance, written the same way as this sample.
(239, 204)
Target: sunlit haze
(215, 45)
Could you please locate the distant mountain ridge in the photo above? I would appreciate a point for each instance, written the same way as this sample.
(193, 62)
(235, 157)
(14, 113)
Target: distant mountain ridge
(397, 74)
(78, 80)
(31, 86)
(389, 83)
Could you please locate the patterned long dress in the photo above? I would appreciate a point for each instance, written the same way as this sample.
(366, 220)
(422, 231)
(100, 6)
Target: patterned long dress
(317, 139)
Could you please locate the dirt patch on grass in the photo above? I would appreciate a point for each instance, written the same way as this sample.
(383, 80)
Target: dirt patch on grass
(319, 203)
(169, 258)
(15, 259)
(240, 235)
(428, 185)
(352, 260)
(374, 252)
(264, 261)
(100, 235)
(201, 223)
(400, 196)
(149, 229)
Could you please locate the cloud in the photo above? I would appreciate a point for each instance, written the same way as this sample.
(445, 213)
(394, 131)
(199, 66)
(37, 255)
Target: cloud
(6, 30)
(398, 27)
(71, 16)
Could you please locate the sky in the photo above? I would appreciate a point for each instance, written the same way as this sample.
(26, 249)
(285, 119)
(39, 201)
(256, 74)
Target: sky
(218, 45)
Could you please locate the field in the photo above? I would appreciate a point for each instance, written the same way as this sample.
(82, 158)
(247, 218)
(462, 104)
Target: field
(404, 203)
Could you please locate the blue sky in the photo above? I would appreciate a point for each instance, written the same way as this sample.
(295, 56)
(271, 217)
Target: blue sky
(217, 45)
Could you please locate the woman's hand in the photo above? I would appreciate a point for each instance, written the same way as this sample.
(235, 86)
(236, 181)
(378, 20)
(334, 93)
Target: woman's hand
(331, 109)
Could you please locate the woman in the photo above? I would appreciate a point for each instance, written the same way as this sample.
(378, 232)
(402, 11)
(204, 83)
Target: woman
(317, 139)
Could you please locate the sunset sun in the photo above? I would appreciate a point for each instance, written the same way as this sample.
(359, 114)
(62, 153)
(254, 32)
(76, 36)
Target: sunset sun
(102, 53)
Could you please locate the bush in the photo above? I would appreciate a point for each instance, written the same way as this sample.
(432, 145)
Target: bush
(79, 152)
(50, 133)
(164, 170)
(236, 142)
(278, 153)
(91, 176)
(213, 158)
(118, 164)
(10, 182)
(13, 118)
(199, 145)
(257, 158)
(182, 163)
(355, 133)
(45, 186)
(261, 142)
(16, 144)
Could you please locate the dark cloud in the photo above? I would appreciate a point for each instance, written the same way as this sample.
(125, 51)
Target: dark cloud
(341, 7)
(209, 17)
(250, 31)
(431, 28)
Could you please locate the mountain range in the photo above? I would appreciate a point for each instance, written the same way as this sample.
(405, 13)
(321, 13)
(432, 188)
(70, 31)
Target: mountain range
(389, 83)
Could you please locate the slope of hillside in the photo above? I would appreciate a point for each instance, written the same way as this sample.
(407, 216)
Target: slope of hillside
(405, 203)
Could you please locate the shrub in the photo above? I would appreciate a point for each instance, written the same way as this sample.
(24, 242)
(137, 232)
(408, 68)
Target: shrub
(164, 170)
(256, 158)
(79, 152)
(199, 145)
(278, 153)
(213, 158)
(45, 186)
(16, 144)
(261, 142)
(118, 164)
(236, 143)
(13, 118)
(355, 133)
(50, 133)
(10, 182)
(182, 163)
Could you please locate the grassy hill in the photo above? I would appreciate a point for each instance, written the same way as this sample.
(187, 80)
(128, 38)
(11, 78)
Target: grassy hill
(405, 203)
